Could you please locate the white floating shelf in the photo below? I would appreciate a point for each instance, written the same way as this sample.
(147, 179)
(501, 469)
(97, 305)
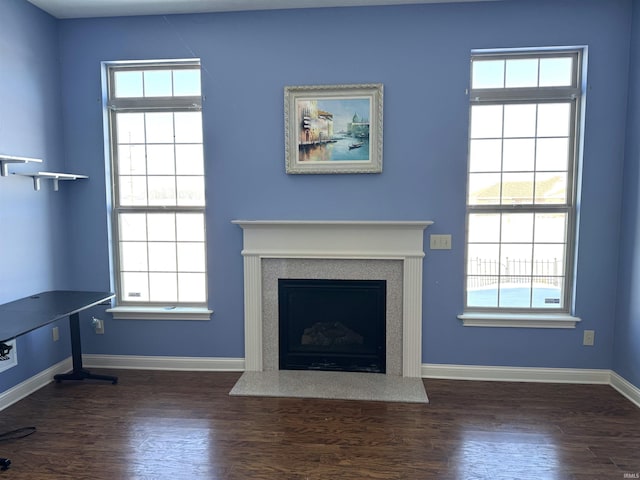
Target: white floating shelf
(53, 176)
(5, 160)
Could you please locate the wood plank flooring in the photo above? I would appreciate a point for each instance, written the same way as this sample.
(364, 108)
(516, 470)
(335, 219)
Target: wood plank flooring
(184, 425)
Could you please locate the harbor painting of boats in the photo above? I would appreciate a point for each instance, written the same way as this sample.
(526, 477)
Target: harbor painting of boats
(333, 129)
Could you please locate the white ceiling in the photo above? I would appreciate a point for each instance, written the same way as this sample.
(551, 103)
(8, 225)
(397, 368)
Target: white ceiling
(116, 8)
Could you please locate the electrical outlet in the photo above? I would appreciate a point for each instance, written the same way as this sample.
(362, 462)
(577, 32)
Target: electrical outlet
(55, 333)
(9, 357)
(98, 326)
(589, 337)
(440, 242)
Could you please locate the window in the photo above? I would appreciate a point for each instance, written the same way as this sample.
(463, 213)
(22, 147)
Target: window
(521, 209)
(158, 183)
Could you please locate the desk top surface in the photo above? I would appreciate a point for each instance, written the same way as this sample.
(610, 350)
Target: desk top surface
(26, 314)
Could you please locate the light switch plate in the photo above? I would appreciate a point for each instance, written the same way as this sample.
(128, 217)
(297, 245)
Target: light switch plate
(440, 242)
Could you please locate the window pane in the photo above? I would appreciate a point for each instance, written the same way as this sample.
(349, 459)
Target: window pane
(162, 256)
(515, 259)
(556, 72)
(515, 292)
(162, 190)
(191, 257)
(548, 260)
(157, 83)
(189, 160)
(552, 154)
(192, 287)
(186, 82)
(130, 127)
(483, 259)
(517, 227)
(550, 227)
(133, 256)
(190, 227)
(160, 163)
(163, 287)
(482, 291)
(484, 227)
(553, 119)
(517, 188)
(484, 188)
(132, 190)
(548, 292)
(188, 127)
(522, 73)
(551, 188)
(135, 287)
(488, 74)
(519, 120)
(160, 160)
(131, 160)
(519, 155)
(128, 84)
(162, 227)
(132, 226)
(484, 155)
(190, 190)
(486, 121)
(159, 127)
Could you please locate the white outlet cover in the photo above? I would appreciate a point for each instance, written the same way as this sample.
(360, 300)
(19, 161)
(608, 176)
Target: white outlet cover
(12, 361)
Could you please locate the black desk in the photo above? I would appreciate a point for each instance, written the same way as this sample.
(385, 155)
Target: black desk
(27, 314)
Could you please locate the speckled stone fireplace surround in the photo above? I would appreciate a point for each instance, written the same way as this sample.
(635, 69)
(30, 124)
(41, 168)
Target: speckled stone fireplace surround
(391, 251)
(275, 268)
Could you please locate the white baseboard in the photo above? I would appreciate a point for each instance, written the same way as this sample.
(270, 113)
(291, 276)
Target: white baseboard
(429, 370)
(30, 385)
(516, 374)
(135, 362)
(529, 374)
(626, 388)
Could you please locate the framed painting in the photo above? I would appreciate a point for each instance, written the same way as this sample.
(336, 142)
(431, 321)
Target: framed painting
(333, 128)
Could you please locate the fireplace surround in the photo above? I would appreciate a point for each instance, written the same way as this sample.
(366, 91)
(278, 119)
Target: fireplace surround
(380, 250)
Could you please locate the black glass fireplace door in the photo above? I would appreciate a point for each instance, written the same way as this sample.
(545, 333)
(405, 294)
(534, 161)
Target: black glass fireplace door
(332, 325)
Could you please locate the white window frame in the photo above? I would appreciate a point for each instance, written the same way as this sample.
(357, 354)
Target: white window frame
(533, 317)
(146, 310)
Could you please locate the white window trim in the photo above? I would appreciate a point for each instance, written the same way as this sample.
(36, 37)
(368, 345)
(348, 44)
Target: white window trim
(535, 318)
(147, 310)
(519, 320)
(160, 313)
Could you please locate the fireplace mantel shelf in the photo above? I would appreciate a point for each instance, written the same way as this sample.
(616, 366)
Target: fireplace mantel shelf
(333, 238)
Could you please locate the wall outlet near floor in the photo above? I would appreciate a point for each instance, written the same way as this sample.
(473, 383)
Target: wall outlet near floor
(589, 337)
(55, 334)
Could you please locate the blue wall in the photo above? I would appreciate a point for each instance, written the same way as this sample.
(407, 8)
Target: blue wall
(421, 55)
(33, 237)
(627, 333)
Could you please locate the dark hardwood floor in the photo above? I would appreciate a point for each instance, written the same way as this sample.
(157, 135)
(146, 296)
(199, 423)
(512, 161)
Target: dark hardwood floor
(183, 425)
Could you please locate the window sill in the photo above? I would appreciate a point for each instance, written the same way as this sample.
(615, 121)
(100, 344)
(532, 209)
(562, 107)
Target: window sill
(160, 313)
(519, 320)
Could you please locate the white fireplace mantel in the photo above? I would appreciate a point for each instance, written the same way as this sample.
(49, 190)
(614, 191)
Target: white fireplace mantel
(371, 240)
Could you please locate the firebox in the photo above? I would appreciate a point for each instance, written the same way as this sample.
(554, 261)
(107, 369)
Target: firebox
(332, 325)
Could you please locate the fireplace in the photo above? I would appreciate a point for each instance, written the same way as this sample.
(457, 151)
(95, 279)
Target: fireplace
(332, 324)
(350, 250)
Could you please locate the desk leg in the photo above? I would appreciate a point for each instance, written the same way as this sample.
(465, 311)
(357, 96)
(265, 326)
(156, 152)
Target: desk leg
(78, 372)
